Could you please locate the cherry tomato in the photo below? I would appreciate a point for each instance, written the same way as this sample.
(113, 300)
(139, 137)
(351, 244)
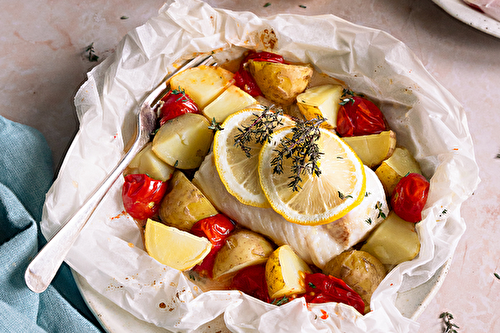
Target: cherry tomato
(175, 103)
(409, 197)
(252, 281)
(359, 116)
(321, 288)
(142, 195)
(245, 81)
(216, 228)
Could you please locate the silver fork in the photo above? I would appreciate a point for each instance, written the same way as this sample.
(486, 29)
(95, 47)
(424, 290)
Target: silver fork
(44, 266)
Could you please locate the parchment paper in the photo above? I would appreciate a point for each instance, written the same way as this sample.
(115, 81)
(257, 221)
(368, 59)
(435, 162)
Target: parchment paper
(109, 253)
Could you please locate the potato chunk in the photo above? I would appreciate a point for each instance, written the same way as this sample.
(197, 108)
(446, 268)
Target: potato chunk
(374, 148)
(396, 167)
(280, 83)
(242, 249)
(184, 204)
(203, 83)
(148, 163)
(184, 141)
(231, 100)
(321, 101)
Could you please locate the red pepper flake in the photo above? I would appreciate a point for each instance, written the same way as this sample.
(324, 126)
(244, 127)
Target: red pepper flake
(122, 213)
(455, 148)
(325, 314)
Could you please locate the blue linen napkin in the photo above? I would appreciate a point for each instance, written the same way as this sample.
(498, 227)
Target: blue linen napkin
(25, 177)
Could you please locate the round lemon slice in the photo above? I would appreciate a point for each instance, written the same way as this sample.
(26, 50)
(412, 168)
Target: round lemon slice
(320, 199)
(238, 171)
(173, 247)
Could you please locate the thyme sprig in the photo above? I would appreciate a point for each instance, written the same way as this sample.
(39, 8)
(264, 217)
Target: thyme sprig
(449, 326)
(260, 129)
(91, 53)
(302, 148)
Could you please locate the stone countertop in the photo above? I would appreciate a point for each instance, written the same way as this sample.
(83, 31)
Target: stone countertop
(44, 62)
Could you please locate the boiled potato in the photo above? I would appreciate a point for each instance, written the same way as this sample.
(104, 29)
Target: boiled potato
(360, 270)
(285, 273)
(184, 141)
(148, 163)
(321, 101)
(184, 204)
(374, 148)
(231, 100)
(396, 167)
(203, 83)
(394, 241)
(242, 249)
(280, 83)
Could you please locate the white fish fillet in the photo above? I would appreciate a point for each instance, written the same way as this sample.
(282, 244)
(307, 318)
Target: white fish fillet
(489, 7)
(314, 244)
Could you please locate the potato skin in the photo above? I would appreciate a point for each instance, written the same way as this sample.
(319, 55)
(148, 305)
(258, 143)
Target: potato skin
(360, 270)
(280, 83)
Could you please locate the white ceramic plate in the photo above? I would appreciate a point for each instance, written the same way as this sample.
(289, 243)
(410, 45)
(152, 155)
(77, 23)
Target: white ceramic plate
(461, 11)
(114, 319)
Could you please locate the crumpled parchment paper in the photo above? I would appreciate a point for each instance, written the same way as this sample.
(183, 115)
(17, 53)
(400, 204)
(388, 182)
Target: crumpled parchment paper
(109, 252)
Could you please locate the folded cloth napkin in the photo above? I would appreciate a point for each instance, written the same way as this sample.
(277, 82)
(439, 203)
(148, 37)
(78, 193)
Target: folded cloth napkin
(25, 176)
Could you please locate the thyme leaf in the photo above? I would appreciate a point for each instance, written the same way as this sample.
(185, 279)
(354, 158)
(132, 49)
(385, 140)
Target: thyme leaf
(449, 326)
(215, 126)
(91, 53)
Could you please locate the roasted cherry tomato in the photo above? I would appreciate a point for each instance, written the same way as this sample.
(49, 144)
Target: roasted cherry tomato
(142, 195)
(216, 228)
(245, 81)
(252, 281)
(409, 197)
(321, 288)
(359, 116)
(175, 103)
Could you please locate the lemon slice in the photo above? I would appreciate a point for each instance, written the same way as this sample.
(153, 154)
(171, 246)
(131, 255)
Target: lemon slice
(321, 199)
(237, 171)
(173, 247)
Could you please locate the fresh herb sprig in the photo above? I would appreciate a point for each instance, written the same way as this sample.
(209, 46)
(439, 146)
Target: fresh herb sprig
(302, 148)
(260, 129)
(91, 53)
(449, 326)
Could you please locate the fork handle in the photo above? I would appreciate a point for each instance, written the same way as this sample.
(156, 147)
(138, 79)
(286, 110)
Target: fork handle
(44, 266)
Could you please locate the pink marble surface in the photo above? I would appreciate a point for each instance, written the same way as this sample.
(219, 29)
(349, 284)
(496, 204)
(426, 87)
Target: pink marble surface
(43, 63)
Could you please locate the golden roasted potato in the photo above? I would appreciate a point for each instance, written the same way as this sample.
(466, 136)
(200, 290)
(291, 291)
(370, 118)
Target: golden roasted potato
(231, 100)
(280, 83)
(360, 270)
(374, 148)
(393, 242)
(285, 273)
(203, 83)
(184, 204)
(242, 249)
(148, 163)
(396, 167)
(184, 141)
(321, 101)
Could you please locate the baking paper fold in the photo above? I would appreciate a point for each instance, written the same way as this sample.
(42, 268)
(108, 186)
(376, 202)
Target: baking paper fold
(109, 253)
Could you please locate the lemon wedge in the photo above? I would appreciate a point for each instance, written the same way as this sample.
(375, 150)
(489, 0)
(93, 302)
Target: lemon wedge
(321, 199)
(237, 171)
(173, 247)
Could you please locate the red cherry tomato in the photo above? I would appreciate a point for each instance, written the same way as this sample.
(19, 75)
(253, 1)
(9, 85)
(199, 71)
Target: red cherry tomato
(245, 81)
(358, 116)
(409, 197)
(252, 281)
(216, 228)
(175, 103)
(321, 288)
(142, 195)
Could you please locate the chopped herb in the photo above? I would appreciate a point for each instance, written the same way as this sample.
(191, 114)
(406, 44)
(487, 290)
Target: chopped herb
(124, 18)
(380, 212)
(311, 285)
(267, 4)
(302, 149)
(215, 126)
(302, 6)
(407, 173)
(280, 301)
(449, 326)
(369, 220)
(444, 211)
(367, 194)
(498, 156)
(176, 163)
(92, 56)
(192, 277)
(340, 158)
(341, 195)
(260, 130)
(347, 96)
(497, 275)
